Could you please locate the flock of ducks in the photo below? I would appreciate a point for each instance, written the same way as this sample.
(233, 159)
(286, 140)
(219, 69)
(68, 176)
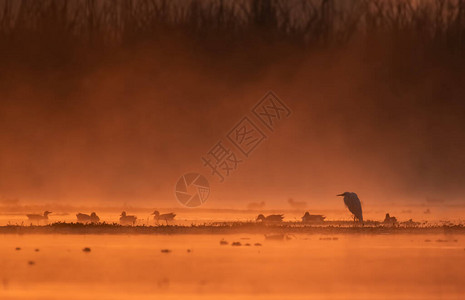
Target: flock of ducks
(351, 200)
(131, 220)
(124, 219)
(307, 218)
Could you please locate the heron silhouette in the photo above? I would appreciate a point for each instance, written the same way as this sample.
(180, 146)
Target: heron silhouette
(354, 205)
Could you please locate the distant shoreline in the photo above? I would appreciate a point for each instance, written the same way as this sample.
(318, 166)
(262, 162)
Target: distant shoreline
(228, 228)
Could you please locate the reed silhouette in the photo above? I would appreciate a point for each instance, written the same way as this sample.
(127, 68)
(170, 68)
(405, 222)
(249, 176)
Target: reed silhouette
(308, 22)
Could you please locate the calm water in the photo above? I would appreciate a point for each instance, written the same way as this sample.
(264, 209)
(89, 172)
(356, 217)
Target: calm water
(304, 267)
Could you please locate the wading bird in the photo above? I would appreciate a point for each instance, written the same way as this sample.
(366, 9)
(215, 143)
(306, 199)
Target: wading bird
(353, 204)
(307, 218)
(270, 218)
(164, 217)
(92, 218)
(127, 220)
(37, 217)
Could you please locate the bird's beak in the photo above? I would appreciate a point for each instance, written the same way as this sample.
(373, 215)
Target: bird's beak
(340, 195)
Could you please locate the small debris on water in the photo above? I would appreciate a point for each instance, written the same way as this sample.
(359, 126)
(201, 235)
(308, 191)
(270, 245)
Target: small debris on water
(275, 236)
(247, 244)
(86, 249)
(223, 242)
(163, 283)
(31, 263)
(257, 244)
(37, 250)
(18, 248)
(165, 251)
(236, 244)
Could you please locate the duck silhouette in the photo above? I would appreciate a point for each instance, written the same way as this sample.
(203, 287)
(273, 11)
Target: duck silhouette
(270, 218)
(164, 217)
(308, 218)
(127, 220)
(92, 218)
(38, 217)
(390, 220)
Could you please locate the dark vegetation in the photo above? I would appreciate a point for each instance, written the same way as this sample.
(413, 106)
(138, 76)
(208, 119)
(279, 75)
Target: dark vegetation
(64, 33)
(229, 228)
(72, 23)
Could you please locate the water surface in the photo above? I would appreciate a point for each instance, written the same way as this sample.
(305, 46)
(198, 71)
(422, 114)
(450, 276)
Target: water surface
(347, 266)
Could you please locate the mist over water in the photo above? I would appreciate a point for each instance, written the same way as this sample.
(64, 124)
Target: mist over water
(381, 115)
(120, 135)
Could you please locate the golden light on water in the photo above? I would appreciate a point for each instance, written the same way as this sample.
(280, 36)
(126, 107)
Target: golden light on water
(303, 267)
